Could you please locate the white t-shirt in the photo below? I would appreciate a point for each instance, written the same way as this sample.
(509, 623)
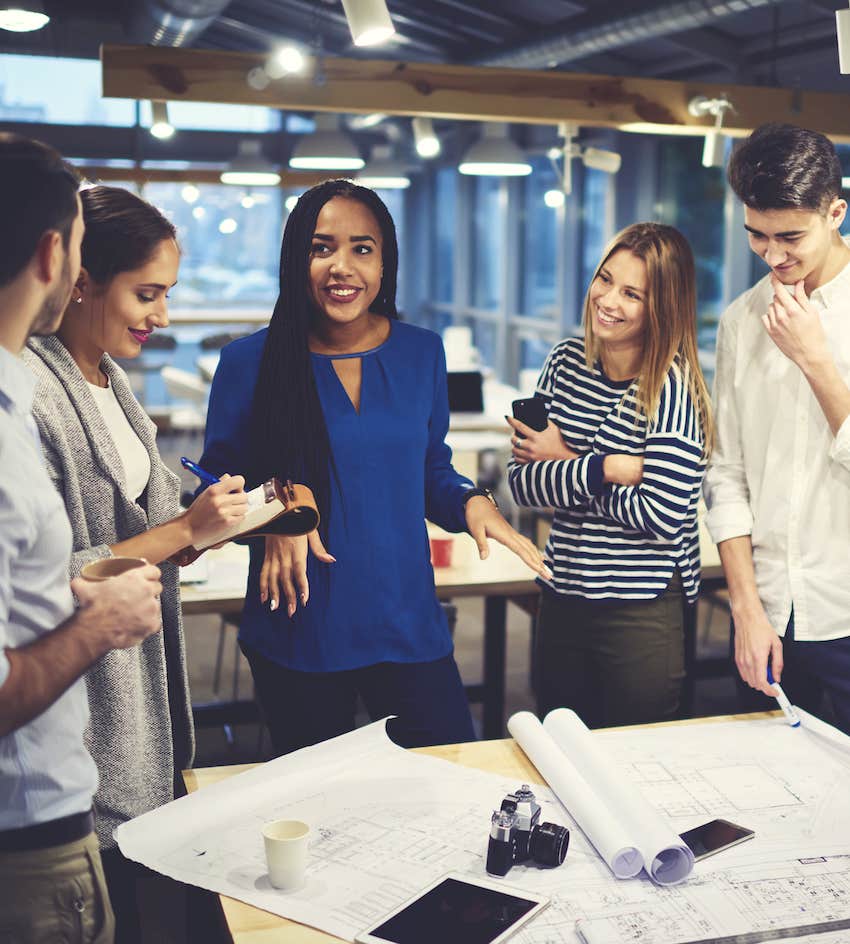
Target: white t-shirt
(134, 456)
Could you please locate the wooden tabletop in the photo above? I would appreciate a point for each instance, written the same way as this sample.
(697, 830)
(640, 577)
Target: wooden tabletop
(250, 925)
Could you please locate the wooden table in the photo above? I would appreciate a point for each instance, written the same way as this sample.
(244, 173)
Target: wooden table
(501, 577)
(250, 925)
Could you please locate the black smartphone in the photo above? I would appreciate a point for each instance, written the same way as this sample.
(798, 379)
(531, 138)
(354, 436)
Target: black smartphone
(715, 836)
(532, 412)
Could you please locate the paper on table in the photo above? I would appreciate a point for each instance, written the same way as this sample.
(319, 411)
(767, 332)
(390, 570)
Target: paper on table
(601, 825)
(666, 857)
(626, 831)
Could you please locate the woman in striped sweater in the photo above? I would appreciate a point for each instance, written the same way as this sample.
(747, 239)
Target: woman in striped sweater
(621, 462)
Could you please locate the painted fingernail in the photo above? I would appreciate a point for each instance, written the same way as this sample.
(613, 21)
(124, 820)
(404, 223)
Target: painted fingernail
(273, 605)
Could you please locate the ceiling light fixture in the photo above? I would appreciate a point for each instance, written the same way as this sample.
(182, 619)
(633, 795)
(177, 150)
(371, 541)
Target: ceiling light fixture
(161, 127)
(327, 148)
(190, 193)
(592, 157)
(383, 171)
(424, 137)
(842, 25)
(249, 168)
(714, 149)
(27, 20)
(495, 155)
(287, 60)
(554, 198)
(369, 21)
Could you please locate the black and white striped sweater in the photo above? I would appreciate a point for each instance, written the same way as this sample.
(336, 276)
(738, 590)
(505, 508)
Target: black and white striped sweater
(612, 542)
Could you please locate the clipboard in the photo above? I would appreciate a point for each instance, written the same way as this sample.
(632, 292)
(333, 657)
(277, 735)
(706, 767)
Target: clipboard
(274, 507)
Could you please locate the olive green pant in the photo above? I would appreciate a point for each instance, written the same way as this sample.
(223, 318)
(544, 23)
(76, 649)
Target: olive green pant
(55, 896)
(612, 663)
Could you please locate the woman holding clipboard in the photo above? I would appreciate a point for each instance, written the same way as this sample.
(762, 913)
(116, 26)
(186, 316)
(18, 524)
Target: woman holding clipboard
(121, 500)
(621, 461)
(338, 394)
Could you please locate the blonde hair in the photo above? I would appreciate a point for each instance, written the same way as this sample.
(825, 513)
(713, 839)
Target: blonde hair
(670, 336)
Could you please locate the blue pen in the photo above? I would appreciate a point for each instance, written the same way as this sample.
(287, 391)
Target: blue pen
(791, 716)
(206, 477)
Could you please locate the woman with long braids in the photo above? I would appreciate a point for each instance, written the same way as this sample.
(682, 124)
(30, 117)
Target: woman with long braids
(338, 394)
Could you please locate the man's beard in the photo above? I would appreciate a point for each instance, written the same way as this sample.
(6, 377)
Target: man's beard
(47, 321)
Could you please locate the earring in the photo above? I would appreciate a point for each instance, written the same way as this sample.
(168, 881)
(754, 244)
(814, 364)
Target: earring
(79, 300)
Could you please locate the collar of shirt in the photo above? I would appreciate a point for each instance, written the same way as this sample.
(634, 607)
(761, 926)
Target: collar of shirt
(17, 384)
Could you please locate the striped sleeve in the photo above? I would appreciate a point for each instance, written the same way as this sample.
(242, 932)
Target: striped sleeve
(555, 483)
(673, 467)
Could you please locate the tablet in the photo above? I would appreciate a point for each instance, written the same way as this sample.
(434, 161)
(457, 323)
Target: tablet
(457, 909)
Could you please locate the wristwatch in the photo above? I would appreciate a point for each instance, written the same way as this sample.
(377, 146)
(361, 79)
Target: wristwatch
(483, 492)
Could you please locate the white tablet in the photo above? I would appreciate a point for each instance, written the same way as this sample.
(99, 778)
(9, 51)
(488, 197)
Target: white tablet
(457, 910)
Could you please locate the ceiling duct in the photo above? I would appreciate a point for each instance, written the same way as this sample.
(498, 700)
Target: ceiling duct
(172, 22)
(662, 21)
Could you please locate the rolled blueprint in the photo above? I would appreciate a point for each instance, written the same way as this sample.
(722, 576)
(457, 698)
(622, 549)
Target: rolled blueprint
(602, 826)
(666, 857)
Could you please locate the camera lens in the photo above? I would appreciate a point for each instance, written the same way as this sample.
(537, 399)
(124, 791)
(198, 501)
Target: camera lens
(548, 843)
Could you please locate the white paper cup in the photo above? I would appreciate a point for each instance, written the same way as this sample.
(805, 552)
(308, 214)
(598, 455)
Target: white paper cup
(286, 852)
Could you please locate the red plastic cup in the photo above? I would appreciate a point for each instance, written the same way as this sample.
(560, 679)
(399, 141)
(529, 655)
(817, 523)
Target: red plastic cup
(441, 551)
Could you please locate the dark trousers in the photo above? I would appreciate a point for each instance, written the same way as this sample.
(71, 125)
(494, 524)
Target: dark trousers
(815, 677)
(304, 708)
(612, 663)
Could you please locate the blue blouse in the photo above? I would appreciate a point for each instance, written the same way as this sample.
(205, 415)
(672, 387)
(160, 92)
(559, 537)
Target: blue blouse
(377, 602)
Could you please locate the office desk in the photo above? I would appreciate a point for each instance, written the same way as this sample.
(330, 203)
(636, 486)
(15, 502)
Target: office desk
(501, 577)
(250, 925)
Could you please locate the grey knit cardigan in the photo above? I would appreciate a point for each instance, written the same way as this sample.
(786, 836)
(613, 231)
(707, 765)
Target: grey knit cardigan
(140, 730)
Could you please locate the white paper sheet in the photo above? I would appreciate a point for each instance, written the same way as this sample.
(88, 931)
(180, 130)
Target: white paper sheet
(387, 821)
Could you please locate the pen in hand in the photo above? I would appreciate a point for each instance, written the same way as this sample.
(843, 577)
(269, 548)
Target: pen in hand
(206, 477)
(791, 715)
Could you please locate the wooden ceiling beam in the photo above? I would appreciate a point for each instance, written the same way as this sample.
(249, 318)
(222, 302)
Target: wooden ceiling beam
(471, 93)
(97, 173)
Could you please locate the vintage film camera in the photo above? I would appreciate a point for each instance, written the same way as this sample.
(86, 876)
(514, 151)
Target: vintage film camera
(517, 835)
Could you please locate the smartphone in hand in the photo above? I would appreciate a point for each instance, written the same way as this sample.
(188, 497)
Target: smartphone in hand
(532, 412)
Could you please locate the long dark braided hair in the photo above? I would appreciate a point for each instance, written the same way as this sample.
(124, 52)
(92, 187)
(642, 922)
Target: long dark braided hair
(288, 434)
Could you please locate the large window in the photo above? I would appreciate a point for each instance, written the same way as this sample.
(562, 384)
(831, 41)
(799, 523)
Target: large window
(230, 239)
(488, 248)
(691, 198)
(58, 91)
(540, 244)
(595, 225)
(445, 208)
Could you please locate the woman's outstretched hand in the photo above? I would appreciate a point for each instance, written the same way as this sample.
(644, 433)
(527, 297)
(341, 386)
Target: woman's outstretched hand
(284, 570)
(529, 445)
(484, 520)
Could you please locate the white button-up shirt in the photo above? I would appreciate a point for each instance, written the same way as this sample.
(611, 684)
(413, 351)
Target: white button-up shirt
(777, 473)
(45, 770)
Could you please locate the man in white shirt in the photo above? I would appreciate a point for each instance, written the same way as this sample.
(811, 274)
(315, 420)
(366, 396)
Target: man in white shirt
(778, 484)
(50, 873)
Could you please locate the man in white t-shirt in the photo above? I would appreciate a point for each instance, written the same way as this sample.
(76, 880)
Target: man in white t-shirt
(50, 873)
(778, 483)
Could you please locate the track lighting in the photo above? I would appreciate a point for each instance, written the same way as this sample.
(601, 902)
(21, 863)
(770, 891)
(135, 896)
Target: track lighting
(592, 157)
(426, 141)
(842, 23)
(715, 143)
(161, 127)
(369, 21)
